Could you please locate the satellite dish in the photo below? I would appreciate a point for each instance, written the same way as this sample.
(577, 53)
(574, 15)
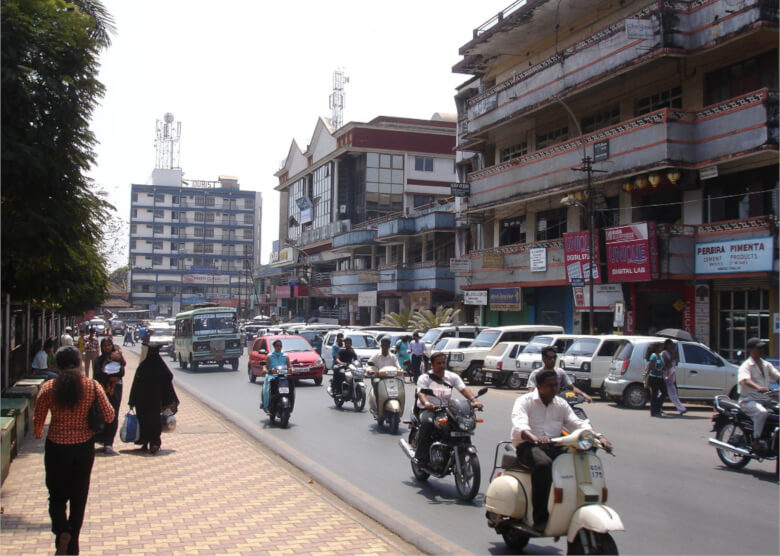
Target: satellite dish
(168, 118)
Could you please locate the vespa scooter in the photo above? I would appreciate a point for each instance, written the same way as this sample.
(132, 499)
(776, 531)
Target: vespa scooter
(577, 502)
(387, 396)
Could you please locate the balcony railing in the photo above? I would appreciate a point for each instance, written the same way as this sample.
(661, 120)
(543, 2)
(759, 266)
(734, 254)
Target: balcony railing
(354, 237)
(512, 264)
(425, 222)
(324, 232)
(428, 275)
(352, 282)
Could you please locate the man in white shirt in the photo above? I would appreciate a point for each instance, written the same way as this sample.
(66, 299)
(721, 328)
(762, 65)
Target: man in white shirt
(417, 349)
(549, 355)
(434, 389)
(384, 358)
(66, 339)
(40, 362)
(753, 377)
(537, 417)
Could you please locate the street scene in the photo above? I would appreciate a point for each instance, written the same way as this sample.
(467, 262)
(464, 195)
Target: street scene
(442, 279)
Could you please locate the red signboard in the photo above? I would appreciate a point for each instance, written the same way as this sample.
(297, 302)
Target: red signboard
(300, 291)
(226, 302)
(632, 252)
(282, 292)
(575, 251)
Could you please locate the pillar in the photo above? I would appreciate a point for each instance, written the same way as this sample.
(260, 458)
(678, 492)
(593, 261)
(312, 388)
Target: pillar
(424, 240)
(373, 315)
(530, 227)
(624, 200)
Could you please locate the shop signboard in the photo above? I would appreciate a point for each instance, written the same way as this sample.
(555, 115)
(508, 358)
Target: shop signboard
(306, 215)
(460, 265)
(420, 300)
(538, 256)
(737, 256)
(576, 248)
(632, 252)
(282, 292)
(460, 189)
(605, 297)
(475, 297)
(492, 260)
(220, 279)
(506, 299)
(367, 299)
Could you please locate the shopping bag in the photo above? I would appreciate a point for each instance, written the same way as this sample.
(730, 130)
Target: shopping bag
(167, 420)
(130, 432)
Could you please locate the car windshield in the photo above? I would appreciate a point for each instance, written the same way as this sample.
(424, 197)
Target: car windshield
(498, 350)
(430, 336)
(214, 323)
(362, 342)
(294, 344)
(486, 338)
(536, 344)
(583, 346)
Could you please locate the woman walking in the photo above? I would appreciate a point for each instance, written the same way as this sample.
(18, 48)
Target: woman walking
(151, 393)
(403, 355)
(655, 381)
(670, 364)
(91, 351)
(70, 444)
(109, 370)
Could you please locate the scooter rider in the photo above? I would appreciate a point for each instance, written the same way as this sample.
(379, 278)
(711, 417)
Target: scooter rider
(438, 383)
(346, 356)
(548, 358)
(275, 359)
(753, 377)
(384, 358)
(537, 417)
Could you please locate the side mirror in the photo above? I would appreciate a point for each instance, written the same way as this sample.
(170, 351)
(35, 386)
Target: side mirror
(263, 352)
(482, 392)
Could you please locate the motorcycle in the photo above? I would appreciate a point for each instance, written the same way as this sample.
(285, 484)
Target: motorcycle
(281, 397)
(577, 501)
(387, 397)
(352, 387)
(734, 432)
(451, 449)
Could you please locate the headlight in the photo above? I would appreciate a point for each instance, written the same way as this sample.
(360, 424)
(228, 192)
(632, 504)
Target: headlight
(536, 365)
(467, 423)
(201, 347)
(586, 367)
(318, 362)
(456, 357)
(585, 440)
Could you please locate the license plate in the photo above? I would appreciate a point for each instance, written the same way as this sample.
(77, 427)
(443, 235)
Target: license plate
(596, 472)
(218, 357)
(459, 433)
(284, 389)
(301, 370)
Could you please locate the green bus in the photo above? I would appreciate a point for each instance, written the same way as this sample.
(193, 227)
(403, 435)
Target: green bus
(207, 335)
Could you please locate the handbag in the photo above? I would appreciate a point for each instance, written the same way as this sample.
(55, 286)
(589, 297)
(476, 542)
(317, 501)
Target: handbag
(95, 419)
(130, 431)
(167, 421)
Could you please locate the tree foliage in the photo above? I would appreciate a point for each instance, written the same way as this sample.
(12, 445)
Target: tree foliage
(426, 319)
(119, 278)
(52, 220)
(401, 319)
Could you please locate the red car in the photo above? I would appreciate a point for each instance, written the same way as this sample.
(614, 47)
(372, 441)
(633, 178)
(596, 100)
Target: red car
(306, 363)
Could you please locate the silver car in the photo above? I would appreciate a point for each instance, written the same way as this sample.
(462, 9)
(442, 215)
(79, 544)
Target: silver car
(701, 373)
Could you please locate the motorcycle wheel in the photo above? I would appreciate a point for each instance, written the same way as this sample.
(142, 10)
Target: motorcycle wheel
(731, 433)
(514, 382)
(284, 418)
(467, 482)
(360, 403)
(418, 473)
(605, 544)
(393, 422)
(514, 539)
(339, 401)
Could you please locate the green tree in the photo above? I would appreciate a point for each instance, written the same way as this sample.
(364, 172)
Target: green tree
(52, 220)
(426, 319)
(119, 278)
(401, 319)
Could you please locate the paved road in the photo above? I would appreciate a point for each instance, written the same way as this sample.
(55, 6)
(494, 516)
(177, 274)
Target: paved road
(667, 484)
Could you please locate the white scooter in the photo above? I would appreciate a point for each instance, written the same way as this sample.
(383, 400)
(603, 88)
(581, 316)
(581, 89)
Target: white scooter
(387, 396)
(577, 502)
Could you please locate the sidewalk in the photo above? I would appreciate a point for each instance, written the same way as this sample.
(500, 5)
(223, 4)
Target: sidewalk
(210, 490)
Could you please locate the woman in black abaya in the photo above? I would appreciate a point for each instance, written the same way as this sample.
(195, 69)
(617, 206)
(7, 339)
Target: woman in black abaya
(152, 392)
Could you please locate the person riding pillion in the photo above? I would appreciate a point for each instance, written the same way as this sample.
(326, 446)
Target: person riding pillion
(346, 356)
(754, 377)
(537, 417)
(549, 355)
(275, 359)
(434, 389)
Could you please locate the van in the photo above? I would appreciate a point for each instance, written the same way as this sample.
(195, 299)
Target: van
(433, 335)
(588, 359)
(530, 358)
(364, 344)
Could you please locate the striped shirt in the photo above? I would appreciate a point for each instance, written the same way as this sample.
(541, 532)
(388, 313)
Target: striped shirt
(69, 424)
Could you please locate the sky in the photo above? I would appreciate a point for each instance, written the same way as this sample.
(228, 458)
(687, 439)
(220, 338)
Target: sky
(245, 78)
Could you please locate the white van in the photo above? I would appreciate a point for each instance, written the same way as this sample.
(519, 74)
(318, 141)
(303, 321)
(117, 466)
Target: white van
(500, 364)
(432, 337)
(588, 359)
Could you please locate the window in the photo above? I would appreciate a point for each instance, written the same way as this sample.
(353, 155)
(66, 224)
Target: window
(248, 219)
(602, 118)
(743, 77)
(209, 217)
(132, 244)
(249, 203)
(174, 263)
(697, 355)
(198, 232)
(384, 184)
(609, 348)
(198, 217)
(508, 153)
(159, 213)
(200, 201)
(134, 213)
(208, 232)
(208, 248)
(132, 261)
(159, 228)
(671, 98)
(134, 197)
(551, 137)
(423, 200)
(423, 164)
(742, 315)
(159, 198)
(512, 231)
(246, 264)
(145, 288)
(210, 201)
(157, 245)
(174, 215)
(550, 224)
(297, 190)
(175, 200)
(133, 228)
(247, 234)
(157, 259)
(247, 249)
(174, 231)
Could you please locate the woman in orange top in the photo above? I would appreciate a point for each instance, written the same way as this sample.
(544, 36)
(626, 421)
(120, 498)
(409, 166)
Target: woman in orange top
(70, 444)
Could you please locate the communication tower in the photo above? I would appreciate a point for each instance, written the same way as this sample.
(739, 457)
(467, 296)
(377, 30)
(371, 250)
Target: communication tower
(337, 98)
(166, 142)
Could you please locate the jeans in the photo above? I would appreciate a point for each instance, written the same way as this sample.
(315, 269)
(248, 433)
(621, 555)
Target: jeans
(416, 361)
(657, 386)
(539, 460)
(107, 435)
(424, 434)
(338, 379)
(68, 470)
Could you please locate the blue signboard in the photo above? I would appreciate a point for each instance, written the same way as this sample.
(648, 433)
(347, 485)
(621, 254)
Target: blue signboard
(506, 299)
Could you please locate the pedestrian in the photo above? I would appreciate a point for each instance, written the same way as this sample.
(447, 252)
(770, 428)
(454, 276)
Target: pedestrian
(66, 339)
(151, 393)
(402, 353)
(129, 337)
(44, 362)
(655, 380)
(670, 364)
(70, 444)
(109, 370)
(418, 352)
(91, 350)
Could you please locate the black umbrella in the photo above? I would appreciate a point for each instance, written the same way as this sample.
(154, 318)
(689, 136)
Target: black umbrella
(675, 333)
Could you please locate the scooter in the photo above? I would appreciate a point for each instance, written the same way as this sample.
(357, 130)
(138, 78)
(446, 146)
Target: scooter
(577, 501)
(352, 387)
(387, 397)
(281, 397)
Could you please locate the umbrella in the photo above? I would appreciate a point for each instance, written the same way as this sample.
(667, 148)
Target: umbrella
(675, 333)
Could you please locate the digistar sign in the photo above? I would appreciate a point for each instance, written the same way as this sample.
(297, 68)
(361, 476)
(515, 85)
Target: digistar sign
(632, 252)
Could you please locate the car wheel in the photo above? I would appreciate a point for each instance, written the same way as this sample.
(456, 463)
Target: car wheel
(635, 396)
(514, 381)
(252, 377)
(182, 362)
(195, 365)
(234, 364)
(476, 374)
(318, 381)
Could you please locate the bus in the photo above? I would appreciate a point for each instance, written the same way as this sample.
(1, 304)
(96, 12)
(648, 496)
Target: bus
(207, 335)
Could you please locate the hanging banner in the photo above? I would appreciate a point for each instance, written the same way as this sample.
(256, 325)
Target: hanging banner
(506, 299)
(420, 300)
(576, 257)
(632, 252)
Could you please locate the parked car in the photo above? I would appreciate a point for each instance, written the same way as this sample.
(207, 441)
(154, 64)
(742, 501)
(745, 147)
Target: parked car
(433, 335)
(500, 365)
(162, 336)
(468, 362)
(588, 359)
(530, 358)
(364, 344)
(306, 363)
(451, 344)
(701, 373)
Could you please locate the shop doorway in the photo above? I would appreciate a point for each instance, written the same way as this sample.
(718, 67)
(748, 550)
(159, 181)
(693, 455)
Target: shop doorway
(742, 315)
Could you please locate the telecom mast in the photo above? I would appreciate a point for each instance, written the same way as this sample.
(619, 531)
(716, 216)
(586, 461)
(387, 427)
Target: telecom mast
(166, 142)
(337, 98)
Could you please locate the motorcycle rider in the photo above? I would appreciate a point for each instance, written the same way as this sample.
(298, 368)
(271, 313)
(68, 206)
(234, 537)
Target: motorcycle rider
(345, 356)
(536, 417)
(753, 377)
(549, 354)
(337, 345)
(275, 359)
(438, 383)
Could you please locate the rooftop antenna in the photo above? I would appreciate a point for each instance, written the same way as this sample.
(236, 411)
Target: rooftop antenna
(337, 98)
(166, 142)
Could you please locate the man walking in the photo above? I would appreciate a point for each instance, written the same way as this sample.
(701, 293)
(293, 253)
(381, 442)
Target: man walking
(417, 348)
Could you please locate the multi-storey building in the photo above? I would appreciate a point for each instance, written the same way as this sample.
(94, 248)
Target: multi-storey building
(366, 227)
(675, 105)
(192, 241)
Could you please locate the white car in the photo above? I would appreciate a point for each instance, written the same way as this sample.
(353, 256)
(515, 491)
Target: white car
(500, 364)
(162, 337)
(433, 335)
(450, 344)
(363, 343)
(530, 358)
(588, 359)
